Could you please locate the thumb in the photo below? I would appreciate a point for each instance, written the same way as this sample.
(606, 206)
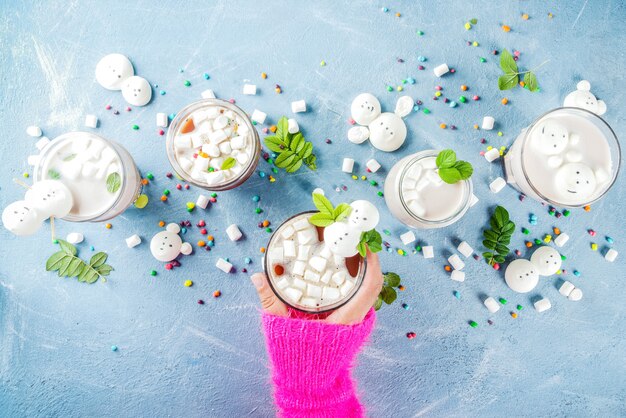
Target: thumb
(269, 301)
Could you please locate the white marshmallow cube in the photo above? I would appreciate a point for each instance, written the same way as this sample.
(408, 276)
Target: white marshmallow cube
(299, 106)
(488, 123)
(91, 121)
(610, 255)
(492, 155)
(258, 116)
(133, 241)
(465, 249)
(346, 287)
(298, 283)
(326, 277)
(208, 94)
(301, 224)
(542, 305)
(456, 262)
(223, 265)
(282, 283)
(293, 294)
(161, 120)
(408, 237)
(318, 263)
(293, 127)
(339, 277)
(457, 276)
(566, 288)
(428, 251)
(287, 232)
(497, 185)
(308, 302)
(202, 201)
(330, 293)
(441, 70)
(298, 268)
(561, 240)
(249, 89)
(304, 252)
(575, 295)
(372, 165)
(34, 131)
(289, 248)
(74, 238)
(234, 233)
(307, 236)
(314, 291)
(348, 165)
(311, 276)
(492, 305)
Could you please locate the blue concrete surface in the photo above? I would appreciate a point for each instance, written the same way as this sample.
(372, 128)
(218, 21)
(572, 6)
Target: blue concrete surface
(178, 358)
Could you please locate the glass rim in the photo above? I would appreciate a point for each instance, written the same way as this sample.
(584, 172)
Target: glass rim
(173, 128)
(593, 115)
(359, 279)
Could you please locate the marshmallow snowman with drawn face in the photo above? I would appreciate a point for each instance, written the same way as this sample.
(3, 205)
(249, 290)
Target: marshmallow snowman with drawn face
(386, 131)
(343, 237)
(522, 275)
(116, 72)
(167, 245)
(584, 99)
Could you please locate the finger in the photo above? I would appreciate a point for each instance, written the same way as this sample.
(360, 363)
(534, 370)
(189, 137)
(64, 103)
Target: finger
(269, 301)
(355, 310)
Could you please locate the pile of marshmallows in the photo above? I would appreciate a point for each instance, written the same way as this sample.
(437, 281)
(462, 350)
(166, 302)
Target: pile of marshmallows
(116, 72)
(44, 199)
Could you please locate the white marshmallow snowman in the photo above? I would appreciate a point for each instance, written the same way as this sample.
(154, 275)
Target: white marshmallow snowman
(521, 275)
(551, 139)
(342, 240)
(21, 218)
(364, 216)
(50, 198)
(137, 91)
(575, 181)
(547, 260)
(167, 245)
(386, 131)
(113, 70)
(584, 99)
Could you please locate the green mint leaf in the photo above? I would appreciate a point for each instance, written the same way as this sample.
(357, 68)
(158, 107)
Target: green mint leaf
(494, 225)
(285, 159)
(508, 228)
(379, 303)
(362, 249)
(501, 216)
(507, 63)
(465, 169)
(65, 266)
(449, 175)
(76, 266)
(297, 143)
(341, 211)
(114, 182)
(306, 150)
(502, 249)
(321, 219)
(445, 158)
(507, 81)
(374, 241)
(104, 270)
(98, 259)
(489, 244)
(323, 204)
(282, 127)
(487, 254)
(499, 258)
(66, 247)
(310, 162)
(530, 81)
(54, 261)
(53, 174)
(392, 279)
(490, 235)
(389, 295)
(91, 276)
(273, 143)
(228, 163)
(295, 166)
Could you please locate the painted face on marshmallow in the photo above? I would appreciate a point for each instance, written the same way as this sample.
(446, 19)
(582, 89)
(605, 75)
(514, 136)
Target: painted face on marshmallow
(166, 245)
(551, 139)
(521, 275)
(113, 70)
(341, 239)
(387, 132)
(547, 260)
(137, 91)
(21, 218)
(50, 198)
(576, 181)
(584, 99)
(365, 108)
(364, 216)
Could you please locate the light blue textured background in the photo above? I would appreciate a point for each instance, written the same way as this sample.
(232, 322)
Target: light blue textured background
(177, 358)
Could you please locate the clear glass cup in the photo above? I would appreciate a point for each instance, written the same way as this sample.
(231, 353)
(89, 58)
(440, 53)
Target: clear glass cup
(129, 190)
(254, 148)
(398, 202)
(273, 279)
(540, 182)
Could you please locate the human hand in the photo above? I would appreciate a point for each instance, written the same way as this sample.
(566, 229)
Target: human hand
(352, 312)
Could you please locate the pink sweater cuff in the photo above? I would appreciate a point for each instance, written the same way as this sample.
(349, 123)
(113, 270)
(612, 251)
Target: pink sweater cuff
(311, 362)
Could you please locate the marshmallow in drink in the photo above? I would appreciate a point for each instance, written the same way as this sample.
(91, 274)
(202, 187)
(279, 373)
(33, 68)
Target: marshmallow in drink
(428, 251)
(21, 218)
(341, 239)
(34, 131)
(224, 265)
(202, 201)
(74, 238)
(584, 99)
(258, 116)
(456, 262)
(91, 121)
(288, 232)
(298, 268)
(561, 240)
(298, 106)
(358, 134)
(521, 275)
(488, 123)
(318, 263)
(465, 249)
(575, 295)
(136, 91)
(112, 70)
(491, 304)
(293, 294)
(566, 288)
(457, 276)
(328, 274)
(372, 165)
(408, 237)
(299, 283)
(330, 293)
(497, 185)
(311, 276)
(347, 165)
(289, 248)
(339, 277)
(233, 232)
(133, 241)
(282, 283)
(292, 126)
(441, 70)
(492, 155)
(208, 94)
(249, 89)
(547, 260)
(50, 198)
(610, 255)
(542, 305)
(162, 120)
(364, 215)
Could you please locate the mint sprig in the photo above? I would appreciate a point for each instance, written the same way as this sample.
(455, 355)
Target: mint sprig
(293, 149)
(328, 214)
(370, 239)
(67, 264)
(114, 182)
(511, 74)
(388, 293)
(228, 163)
(451, 170)
(498, 237)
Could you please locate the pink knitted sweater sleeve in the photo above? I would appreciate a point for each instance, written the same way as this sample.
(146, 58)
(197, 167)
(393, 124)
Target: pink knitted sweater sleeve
(311, 362)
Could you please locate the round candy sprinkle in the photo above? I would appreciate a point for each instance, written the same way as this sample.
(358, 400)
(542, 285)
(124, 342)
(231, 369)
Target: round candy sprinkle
(188, 283)
(135, 127)
(503, 301)
(473, 324)
(187, 83)
(217, 294)
(410, 335)
(113, 348)
(153, 272)
(200, 302)
(513, 314)
(108, 226)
